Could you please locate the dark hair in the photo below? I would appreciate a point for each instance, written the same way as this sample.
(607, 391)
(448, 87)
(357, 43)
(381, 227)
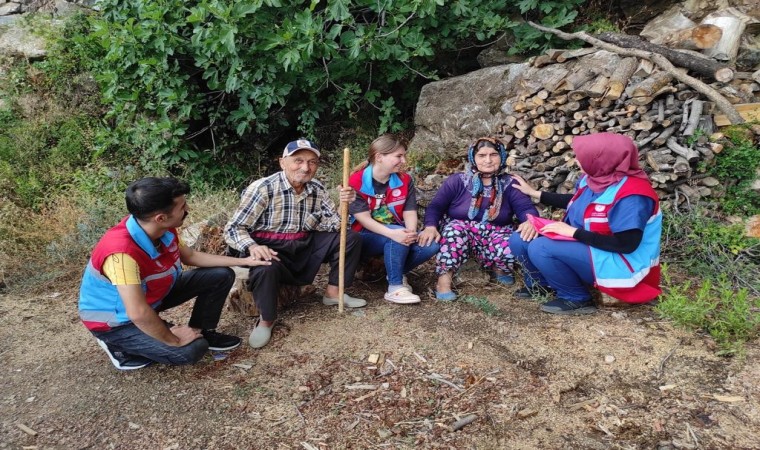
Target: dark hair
(151, 195)
(487, 144)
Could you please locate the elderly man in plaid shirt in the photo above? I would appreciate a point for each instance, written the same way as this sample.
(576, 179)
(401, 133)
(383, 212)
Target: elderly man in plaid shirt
(288, 219)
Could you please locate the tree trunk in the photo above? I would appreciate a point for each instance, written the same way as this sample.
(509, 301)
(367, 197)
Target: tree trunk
(696, 38)
(705, 67)
(732, 22)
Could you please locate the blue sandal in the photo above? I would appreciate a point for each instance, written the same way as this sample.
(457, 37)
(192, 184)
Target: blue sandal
(445, 296)
(505, 279)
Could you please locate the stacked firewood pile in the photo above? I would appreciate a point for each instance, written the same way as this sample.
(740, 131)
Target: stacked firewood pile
(598, 91)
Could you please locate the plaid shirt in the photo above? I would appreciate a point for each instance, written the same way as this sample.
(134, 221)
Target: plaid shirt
(271, 204)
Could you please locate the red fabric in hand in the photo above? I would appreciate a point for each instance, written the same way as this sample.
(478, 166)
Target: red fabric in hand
(539, 223)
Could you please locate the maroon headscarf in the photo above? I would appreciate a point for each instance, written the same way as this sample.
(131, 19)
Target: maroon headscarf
(607, 158)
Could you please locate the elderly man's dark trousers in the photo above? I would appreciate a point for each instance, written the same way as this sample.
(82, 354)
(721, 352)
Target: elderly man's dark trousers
(299, 263)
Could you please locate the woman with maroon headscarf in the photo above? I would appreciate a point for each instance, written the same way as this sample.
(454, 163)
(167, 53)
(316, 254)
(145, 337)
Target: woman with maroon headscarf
(609, 237)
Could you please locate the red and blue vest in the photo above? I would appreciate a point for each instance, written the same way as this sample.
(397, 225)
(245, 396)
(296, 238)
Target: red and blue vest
(394, 197)
(100, 306)
(632, 277)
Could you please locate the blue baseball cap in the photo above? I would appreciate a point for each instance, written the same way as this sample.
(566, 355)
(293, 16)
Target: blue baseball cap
(300, 144)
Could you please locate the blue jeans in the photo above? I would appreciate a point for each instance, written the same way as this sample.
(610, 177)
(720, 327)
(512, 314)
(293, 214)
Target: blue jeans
(565, 266)
(399, 258)
(210, 286)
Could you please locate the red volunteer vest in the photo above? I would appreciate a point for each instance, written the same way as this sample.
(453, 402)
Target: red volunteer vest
(394, 197)
(118, 240)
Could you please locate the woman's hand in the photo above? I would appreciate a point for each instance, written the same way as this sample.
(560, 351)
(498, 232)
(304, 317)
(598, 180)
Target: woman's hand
(560, 228)
(428, 235)
(527, 231)
(525, 187)
(402, 236)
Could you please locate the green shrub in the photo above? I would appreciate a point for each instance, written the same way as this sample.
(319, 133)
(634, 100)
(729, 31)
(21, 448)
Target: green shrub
(721, 288)
(188, 79)
(39, 156)
(737, 165)
(482, 304)
(729, 315)
(705, 247)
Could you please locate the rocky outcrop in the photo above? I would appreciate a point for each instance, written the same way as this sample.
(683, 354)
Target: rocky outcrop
(450, 113)
(16, 40)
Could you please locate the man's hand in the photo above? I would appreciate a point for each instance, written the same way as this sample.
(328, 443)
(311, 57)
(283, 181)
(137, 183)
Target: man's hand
(347, 194)
(260, 253)
(185, 334)
(428, 235)
(254, 261)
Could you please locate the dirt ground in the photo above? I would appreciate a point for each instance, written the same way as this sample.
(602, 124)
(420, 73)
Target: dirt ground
(622, 378)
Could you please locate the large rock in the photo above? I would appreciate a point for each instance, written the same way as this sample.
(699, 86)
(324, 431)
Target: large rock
(10, 8)
(452, 112)
(18, 41)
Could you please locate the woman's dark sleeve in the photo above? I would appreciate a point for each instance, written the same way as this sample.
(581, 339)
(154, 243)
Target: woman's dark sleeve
(623, 242)
(441, 201)
(521, 204)
(555, 200)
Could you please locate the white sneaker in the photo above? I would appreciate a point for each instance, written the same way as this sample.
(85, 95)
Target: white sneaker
(402, 296)
(348, 301)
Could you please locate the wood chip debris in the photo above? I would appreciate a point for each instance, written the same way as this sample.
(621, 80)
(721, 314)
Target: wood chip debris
(463, 422)
(368, 387)
(439, 378)
(525, 413)
(243, 366)
(728, 398)
(26, 429)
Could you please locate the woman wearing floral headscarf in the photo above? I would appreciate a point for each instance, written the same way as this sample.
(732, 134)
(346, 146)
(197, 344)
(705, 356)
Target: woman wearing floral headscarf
(476, 209)
(609, 237)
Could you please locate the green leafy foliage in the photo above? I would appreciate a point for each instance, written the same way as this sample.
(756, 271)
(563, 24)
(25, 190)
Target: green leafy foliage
(186, 80)
(738, 162)
(720, 294)
(553, 13)
(38, 158)
(705, 246)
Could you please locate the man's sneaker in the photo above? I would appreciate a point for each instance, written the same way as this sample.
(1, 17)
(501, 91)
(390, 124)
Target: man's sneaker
(348, 301)
(402, 296)
(567, 307)
(124, 361)
(260, 335)
(534, 292)
(220, 342)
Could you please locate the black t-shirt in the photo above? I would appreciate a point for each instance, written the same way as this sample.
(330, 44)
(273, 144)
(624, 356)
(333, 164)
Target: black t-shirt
(382, 215)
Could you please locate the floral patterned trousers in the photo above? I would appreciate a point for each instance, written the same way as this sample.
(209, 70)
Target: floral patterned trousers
(461, 239)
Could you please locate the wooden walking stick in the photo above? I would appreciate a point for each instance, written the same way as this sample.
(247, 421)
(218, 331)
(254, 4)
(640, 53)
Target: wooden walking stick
(343, 231)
